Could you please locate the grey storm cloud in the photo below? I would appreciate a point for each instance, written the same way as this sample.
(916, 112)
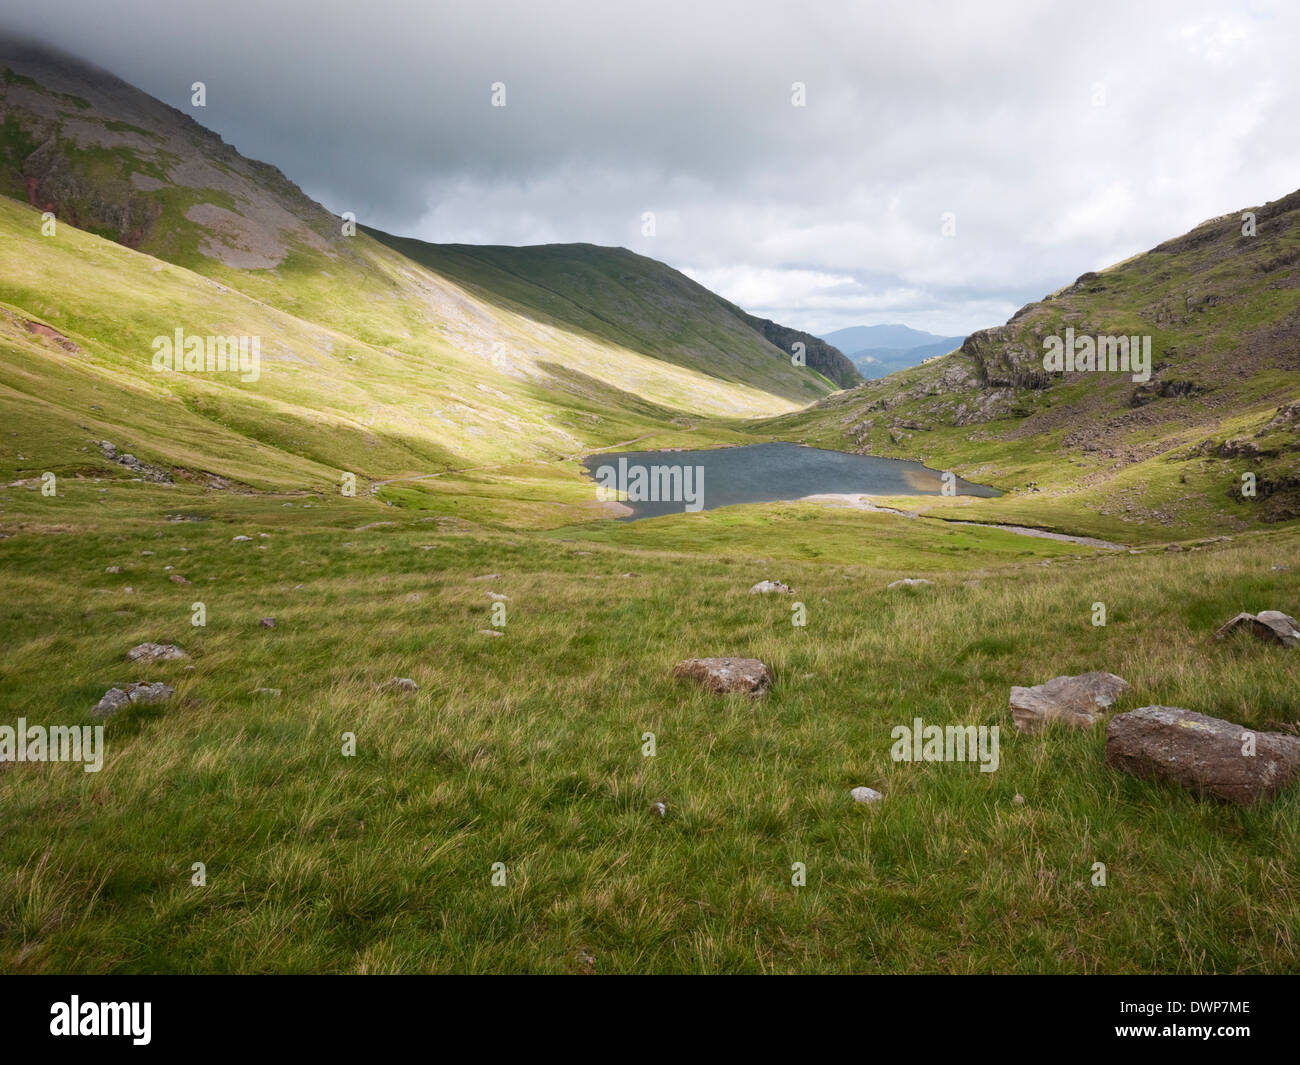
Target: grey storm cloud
(1055, 138)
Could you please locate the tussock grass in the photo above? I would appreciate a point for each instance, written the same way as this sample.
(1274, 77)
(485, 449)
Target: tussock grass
(526, 749)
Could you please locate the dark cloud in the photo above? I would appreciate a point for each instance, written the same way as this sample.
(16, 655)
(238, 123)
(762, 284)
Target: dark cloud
(1062, 138)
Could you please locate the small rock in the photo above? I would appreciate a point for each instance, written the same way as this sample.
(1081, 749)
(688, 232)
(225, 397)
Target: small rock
(489, 577)
(266, 691)
(497, 597)
(1018, 799)
(1271, 626)
(147, 554)
(240, 539)
(908, 582)
(1174, 547)
(267, 623)
(1279, 568)
(490, 632)
(403, 684)
(1075, 701)
(178, 579)
(659, 808)
(154, 652)
(1206, 755)
(116, 699)
(866, 795)
(723, 675)
(766, 587)
(118, 569)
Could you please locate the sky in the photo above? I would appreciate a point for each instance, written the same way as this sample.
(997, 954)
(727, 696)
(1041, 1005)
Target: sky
(944, 164)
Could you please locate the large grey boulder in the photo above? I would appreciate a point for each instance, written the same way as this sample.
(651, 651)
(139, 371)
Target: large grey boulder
(1074, 701)
(1206, 755)
(724, 675)
(1271, 626)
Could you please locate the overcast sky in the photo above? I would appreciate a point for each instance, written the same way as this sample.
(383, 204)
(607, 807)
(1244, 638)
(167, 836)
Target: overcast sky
(1062, 136)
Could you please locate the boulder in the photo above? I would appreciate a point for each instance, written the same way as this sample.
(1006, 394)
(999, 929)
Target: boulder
(1206, 755)
(724, 675)
(1074, 701)
(116, 699)
(1271, 626)
(154, 652)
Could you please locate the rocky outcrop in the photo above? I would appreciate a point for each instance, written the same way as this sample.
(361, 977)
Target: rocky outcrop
(1206, 755)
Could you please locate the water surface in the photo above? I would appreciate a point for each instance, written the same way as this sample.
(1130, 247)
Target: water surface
(764, 473)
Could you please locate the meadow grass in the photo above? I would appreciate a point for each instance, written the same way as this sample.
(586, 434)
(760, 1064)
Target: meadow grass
(526, 749)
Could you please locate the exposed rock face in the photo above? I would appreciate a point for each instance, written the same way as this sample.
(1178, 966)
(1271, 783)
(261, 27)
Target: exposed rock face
(116, 699)
(723, 675)
(1271, 626)
(1074, 701)
(1206, 755)
(1002, 360)
(144, 469)
(154, 652)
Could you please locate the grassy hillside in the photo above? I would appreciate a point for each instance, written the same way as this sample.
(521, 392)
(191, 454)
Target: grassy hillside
(1098, 451)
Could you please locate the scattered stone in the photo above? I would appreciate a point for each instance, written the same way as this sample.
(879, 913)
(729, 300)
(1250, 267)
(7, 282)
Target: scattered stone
(118, 569)
(497, 597)
(1279, 568)
(659, 808)
(1206, 755)
(267, 623)
(240, 539)
(1271, 626)
(1018, 799)
(154, 652)
(907, 582)
(489, 577)
(266, 691)
(1174, 547)
(128, 589)
(178, 579)
(116, 699)
(765, 587)
(490, 632)
(1074, 701)
(402, 684)
(723, 675)
(147, 554)
(866, 795)
(631, 574)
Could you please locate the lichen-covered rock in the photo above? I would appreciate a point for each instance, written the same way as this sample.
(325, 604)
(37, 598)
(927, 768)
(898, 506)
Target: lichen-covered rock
(1206, 755)
(154, 652)
(724, 675)
(1074, 701)
(1271, 626)
(116, 699)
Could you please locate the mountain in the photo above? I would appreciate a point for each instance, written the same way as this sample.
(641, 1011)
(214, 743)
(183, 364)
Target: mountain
(879, 350)
(1216, 420)
(393, 356)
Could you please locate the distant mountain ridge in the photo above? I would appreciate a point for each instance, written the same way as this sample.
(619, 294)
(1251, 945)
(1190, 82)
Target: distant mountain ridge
(880, 350)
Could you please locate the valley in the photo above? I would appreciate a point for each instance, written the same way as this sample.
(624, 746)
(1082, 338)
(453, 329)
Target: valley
(420, 655)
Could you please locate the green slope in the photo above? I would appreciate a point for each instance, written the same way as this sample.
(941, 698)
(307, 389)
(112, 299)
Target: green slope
(1099, 451)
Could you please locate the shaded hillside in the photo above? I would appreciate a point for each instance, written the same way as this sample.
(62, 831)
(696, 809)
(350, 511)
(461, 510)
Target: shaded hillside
(1223, 313)
(617, 296)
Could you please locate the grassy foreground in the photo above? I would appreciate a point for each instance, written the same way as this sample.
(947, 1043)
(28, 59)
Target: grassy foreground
(526, 749)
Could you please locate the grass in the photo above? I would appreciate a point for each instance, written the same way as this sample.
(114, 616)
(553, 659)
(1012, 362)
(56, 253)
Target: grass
(526, 749)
